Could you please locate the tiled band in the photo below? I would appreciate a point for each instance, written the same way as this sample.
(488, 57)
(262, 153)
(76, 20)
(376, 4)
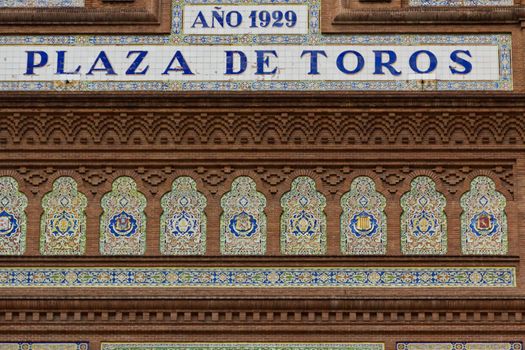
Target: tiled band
(259, 277)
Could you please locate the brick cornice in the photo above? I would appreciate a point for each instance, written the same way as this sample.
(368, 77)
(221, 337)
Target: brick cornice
(434, 16)
(233, 100)
(151, 18)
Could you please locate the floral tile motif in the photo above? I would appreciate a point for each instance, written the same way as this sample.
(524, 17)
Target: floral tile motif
(183, 221)
(13, 218)
(258, 277)
(423, 221)
(303, 222)
(63, 223)
(363, 220)
(241, 346)
(461, 346)
(123, 223)
(483, 220)
(44, 346)
(243, 222)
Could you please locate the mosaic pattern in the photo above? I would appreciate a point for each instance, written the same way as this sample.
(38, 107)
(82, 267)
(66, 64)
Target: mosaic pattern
(123, 223)
(41, 3)
(483, 220)
(423, 222)
(13, 218)
(177, 38)
(303, 222)
(242, 346)
(363, 220)
(461, 346)
(259, 277)
(63, 223)
(456, 3)
(243, 222)
(44, 346)
(183, 221)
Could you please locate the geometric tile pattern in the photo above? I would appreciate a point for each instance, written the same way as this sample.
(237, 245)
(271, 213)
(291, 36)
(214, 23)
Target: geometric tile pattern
(303, 221)
(258, 277)
(423, 221)
(13, 218)
(63, 223)
(461, 346)
(483, 220)
(44, 346)
(123, 223)
(241, 346)
(183, 221)
(363, 220)
(243, 222)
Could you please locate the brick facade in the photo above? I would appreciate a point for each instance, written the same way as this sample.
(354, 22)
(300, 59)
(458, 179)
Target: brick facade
(331, 137)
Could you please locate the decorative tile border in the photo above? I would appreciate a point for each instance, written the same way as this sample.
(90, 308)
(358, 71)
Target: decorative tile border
(44, 346)
(313, 38)
(259, 277)
(461, 346)
(242, 346)
(41, 3)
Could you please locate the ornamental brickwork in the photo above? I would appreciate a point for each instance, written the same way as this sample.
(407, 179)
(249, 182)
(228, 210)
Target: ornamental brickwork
(271, 212)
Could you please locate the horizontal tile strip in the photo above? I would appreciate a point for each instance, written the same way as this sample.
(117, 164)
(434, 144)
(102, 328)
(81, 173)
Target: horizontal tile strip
(258, 277)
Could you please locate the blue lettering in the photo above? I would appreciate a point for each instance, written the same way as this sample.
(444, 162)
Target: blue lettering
(314, 54)
(379, 64)
(200, 20)
(230, 59)
(61, 59)
(108, 68)
(413, 61)
(467, 66)
(263, 61)
(31, 61)
(216, 16)
(230, 21)
(183, 65)
(132, 70)
(341, 62)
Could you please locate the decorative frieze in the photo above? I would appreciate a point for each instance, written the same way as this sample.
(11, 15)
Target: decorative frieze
(259, 277)
(280, 126)
(243, 231)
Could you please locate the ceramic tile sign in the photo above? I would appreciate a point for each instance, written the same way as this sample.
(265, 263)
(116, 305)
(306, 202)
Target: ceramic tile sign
(245, 19)
(259, 45)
